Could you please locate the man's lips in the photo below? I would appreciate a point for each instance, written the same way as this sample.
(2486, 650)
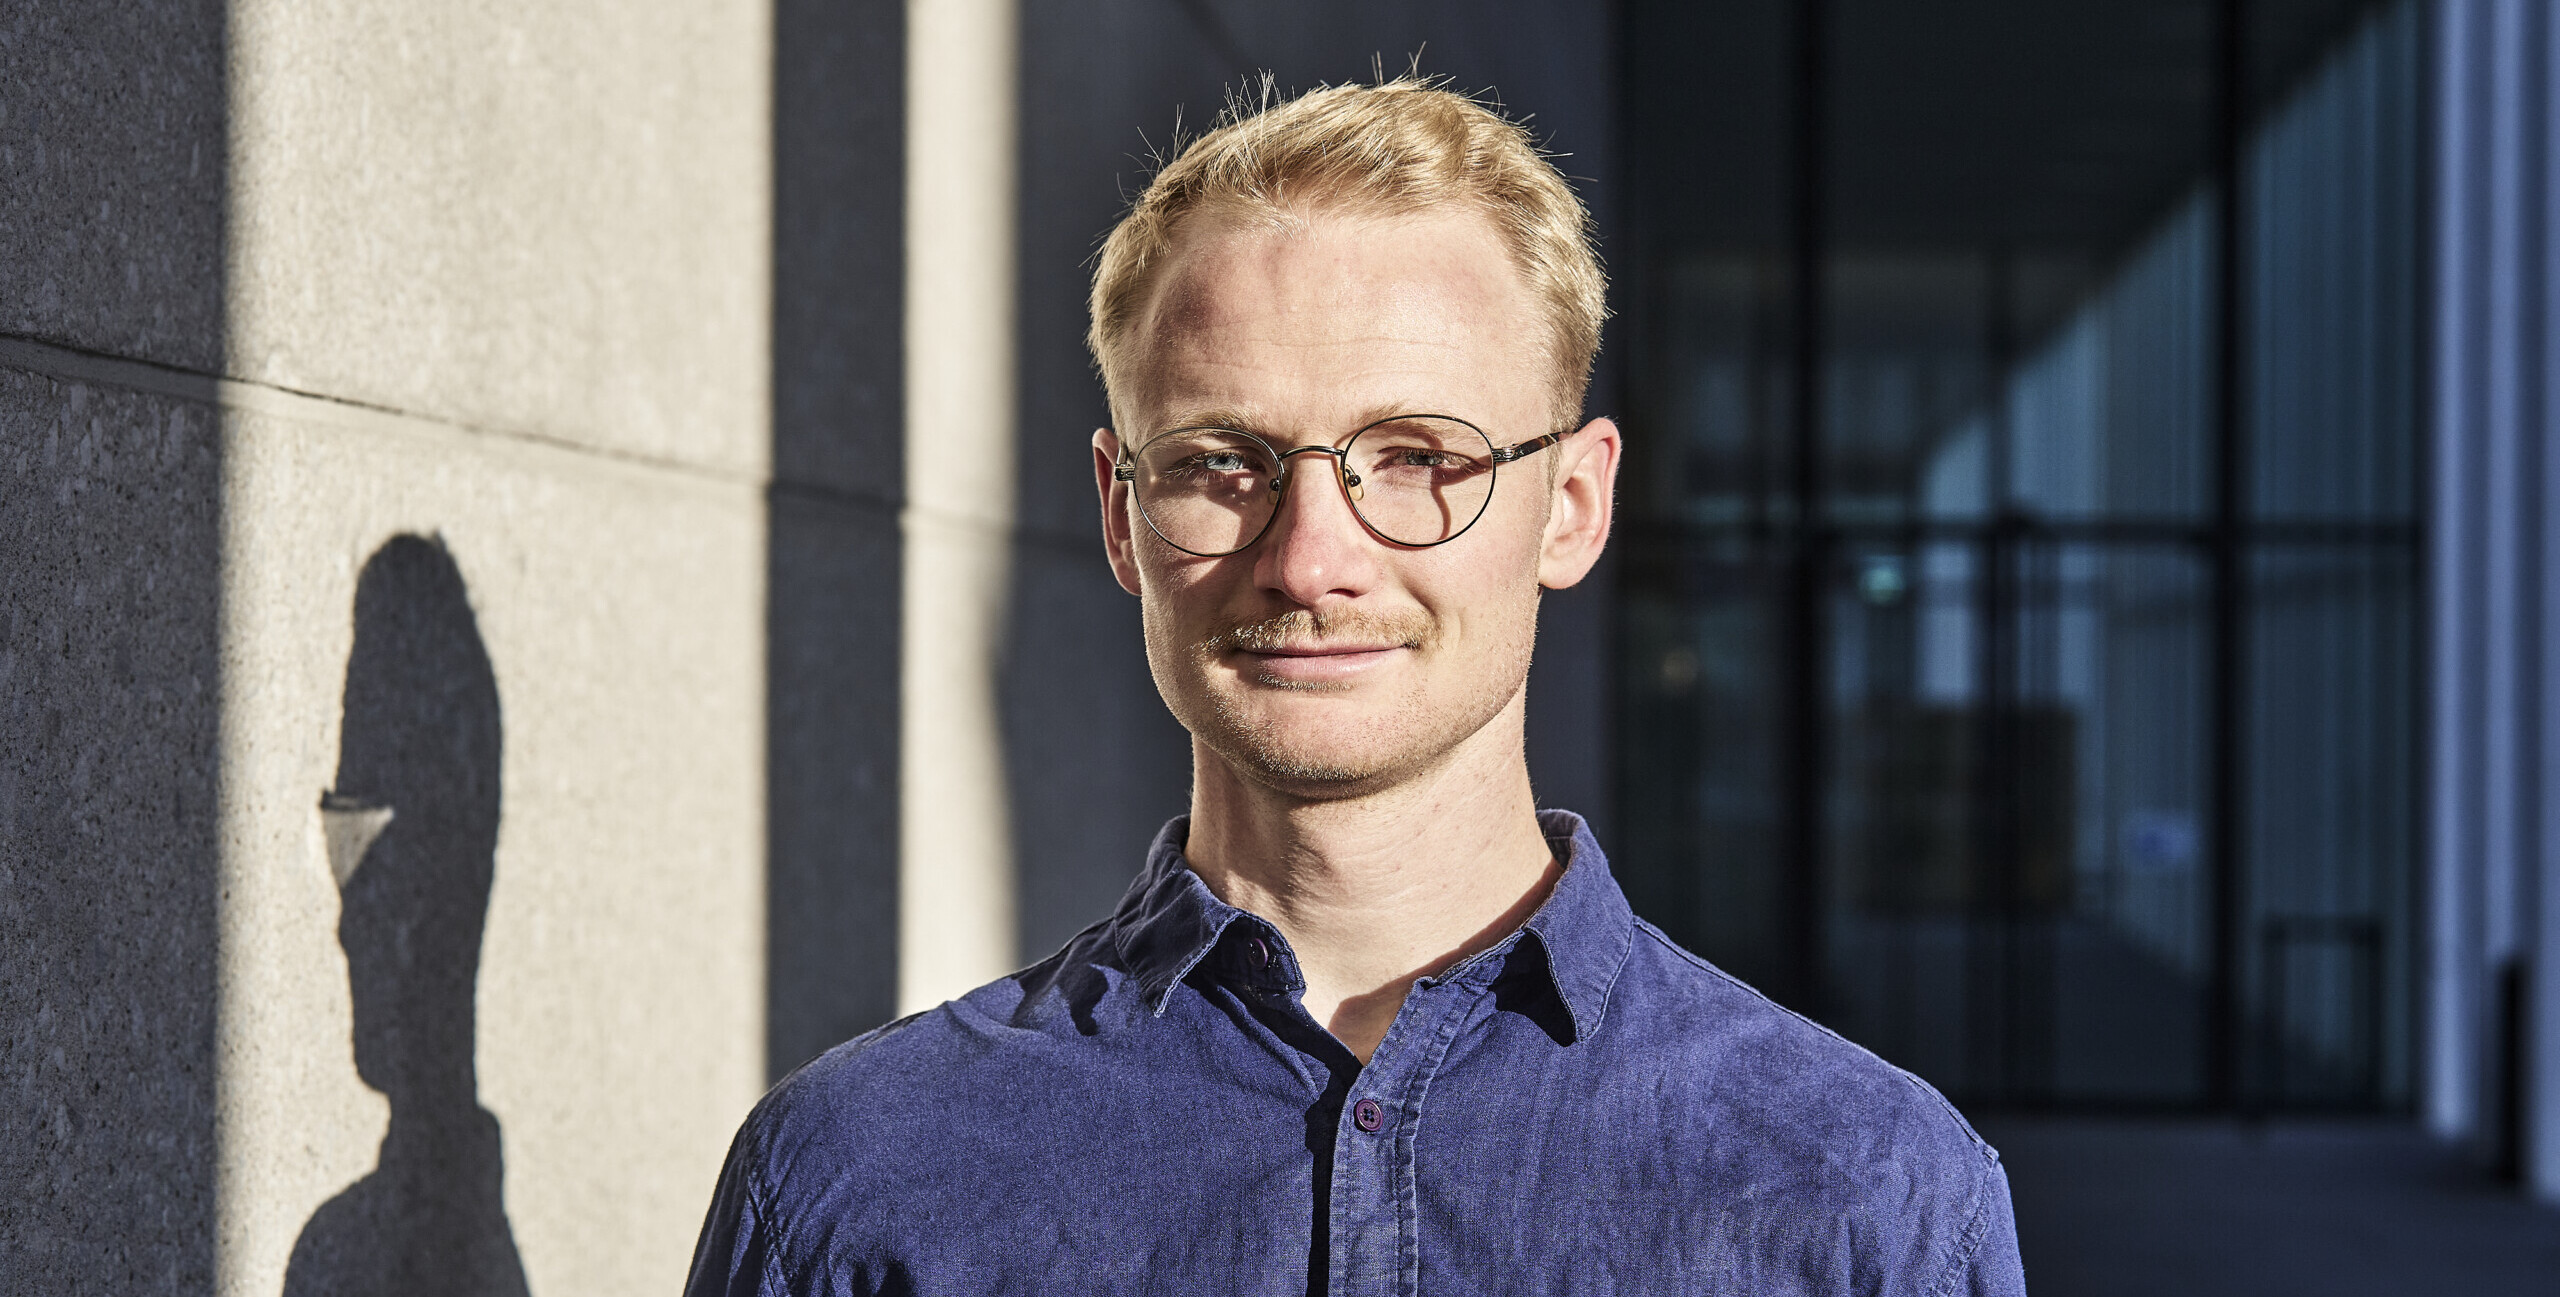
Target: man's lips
(1318, 663)
(1321, 650)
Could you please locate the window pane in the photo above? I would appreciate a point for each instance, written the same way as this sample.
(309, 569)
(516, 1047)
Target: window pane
(2332, 833)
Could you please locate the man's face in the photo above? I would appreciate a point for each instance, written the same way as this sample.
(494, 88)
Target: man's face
(1322, 659)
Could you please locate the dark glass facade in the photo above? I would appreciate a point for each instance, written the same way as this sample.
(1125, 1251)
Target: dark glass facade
(2017, 648)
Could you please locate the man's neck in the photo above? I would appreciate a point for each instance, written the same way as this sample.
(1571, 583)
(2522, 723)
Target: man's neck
(1377, 890)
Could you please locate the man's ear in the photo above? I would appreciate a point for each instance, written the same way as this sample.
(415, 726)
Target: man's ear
(1580, 507)
(1116, 541)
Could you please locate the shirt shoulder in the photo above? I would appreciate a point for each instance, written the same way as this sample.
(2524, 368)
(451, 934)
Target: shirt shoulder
(901, 1102)
(1838, 1127)
(1767, 1107)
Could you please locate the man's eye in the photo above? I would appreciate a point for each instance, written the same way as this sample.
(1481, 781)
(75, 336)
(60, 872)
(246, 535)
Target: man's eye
(1425, 459)
(1213, 463)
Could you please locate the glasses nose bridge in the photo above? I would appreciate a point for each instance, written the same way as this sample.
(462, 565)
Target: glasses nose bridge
(1344, 480)
(1341, 463)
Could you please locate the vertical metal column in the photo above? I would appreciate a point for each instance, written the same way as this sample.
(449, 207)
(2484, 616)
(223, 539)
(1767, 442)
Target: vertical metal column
(1995, 1005)
(2525, 506)
(2460, 103)
(2539, 1151)
(1808, 555)
(2225, 1020)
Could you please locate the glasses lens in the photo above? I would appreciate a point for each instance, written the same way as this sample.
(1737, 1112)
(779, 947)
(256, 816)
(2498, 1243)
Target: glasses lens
(1206, 490)
(1422, 480)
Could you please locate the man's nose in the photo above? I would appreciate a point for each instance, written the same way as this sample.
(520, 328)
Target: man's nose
(1317, 546)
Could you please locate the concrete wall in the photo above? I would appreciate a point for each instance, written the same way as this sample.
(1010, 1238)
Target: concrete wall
(520, 258)
(833, 593)
(112, 221)
(456, 529)
(387, 418)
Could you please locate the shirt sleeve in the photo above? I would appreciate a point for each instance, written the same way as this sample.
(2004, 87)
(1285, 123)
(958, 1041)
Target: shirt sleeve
(1990, 1267)
(735, 1254)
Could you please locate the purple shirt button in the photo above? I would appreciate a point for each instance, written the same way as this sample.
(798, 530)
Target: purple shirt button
(1368, 1116)
(1259, 951)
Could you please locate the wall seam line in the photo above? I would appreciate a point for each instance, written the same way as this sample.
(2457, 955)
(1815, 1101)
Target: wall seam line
(61, 363)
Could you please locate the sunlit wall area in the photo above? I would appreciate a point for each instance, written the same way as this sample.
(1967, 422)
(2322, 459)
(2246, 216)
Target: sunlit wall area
(495, 403)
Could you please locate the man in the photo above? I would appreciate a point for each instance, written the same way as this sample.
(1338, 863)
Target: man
(1367, 1021)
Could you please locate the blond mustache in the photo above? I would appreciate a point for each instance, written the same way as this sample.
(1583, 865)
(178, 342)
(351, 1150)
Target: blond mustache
(1299, 627)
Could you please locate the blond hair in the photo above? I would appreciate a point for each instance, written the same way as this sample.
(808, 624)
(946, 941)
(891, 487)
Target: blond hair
(1395, 148)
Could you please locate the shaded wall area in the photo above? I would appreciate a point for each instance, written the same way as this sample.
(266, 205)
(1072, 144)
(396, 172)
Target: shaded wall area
(832, 600)
(112, 241)
(1096, 763)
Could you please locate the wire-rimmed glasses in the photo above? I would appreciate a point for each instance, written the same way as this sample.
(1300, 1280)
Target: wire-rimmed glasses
(1416, 480)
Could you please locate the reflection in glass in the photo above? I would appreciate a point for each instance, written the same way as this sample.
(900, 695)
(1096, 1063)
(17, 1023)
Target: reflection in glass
(1965, 704)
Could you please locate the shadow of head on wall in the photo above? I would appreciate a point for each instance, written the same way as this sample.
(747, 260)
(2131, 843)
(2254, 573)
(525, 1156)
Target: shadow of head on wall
(412, 832)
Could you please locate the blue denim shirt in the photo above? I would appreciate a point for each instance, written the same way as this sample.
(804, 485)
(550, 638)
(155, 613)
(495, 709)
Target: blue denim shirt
(1583, 1108)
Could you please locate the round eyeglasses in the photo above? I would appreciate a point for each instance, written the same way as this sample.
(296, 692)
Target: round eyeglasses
(1416, 480)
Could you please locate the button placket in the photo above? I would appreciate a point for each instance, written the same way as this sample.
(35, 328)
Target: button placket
(1372, 1203)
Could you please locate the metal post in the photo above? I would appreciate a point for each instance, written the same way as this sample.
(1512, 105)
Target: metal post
(1809, 554)
(2225, 1020)
(1992, 935)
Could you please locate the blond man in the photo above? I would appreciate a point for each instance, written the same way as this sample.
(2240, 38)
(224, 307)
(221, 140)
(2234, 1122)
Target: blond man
(1368, 1021)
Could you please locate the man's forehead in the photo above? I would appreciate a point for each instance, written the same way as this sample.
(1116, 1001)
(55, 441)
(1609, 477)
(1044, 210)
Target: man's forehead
(1423, 295)
(1224, 268)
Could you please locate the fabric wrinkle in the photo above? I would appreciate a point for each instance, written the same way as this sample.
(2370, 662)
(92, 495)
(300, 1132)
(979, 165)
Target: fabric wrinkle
(1152, 1109)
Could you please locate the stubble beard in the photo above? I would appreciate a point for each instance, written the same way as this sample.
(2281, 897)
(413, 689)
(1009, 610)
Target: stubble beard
(1280, 756)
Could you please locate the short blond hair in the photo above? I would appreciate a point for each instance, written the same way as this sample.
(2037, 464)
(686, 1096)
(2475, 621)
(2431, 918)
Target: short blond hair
(1395, 148)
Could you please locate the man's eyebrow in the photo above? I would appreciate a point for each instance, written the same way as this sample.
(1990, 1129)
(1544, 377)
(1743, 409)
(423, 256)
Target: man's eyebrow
(1243, 420)
(1213, 416)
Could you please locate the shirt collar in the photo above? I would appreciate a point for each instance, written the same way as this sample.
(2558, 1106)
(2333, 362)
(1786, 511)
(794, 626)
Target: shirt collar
(1585, 928)
(1169, 921)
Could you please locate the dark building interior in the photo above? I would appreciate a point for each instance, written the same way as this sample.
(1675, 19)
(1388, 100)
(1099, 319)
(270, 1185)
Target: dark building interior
(2017, 646)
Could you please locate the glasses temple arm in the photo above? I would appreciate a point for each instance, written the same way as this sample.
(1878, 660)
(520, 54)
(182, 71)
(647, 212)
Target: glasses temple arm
(1506, 454)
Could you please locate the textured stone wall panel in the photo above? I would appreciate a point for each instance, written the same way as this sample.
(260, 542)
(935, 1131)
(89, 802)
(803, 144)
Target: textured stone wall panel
(565, 729)
(112, 164)
(547, 219)
(110, 529)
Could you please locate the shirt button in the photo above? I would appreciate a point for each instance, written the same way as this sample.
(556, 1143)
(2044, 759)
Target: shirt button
(1368, 1116)
(1259, 951)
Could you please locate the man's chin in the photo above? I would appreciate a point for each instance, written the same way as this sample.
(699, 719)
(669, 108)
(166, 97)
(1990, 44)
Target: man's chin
(1299, 743)
(1318, 774)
